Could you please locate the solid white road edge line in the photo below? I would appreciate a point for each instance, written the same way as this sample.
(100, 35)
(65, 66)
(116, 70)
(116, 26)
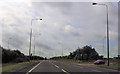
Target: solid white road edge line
(33, 68)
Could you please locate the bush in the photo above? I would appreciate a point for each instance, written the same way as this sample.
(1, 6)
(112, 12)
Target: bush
(17, 60)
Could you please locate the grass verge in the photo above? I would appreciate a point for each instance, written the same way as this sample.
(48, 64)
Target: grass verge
(114, 64)
(13, 67)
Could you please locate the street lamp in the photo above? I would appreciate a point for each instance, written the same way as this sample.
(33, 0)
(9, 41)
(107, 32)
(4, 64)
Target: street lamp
(107, 31)
(31, 37)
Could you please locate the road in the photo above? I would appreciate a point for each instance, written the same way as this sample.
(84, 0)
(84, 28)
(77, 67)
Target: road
(49, 66)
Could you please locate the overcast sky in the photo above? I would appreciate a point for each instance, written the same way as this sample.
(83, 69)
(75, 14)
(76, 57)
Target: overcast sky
(65, 25)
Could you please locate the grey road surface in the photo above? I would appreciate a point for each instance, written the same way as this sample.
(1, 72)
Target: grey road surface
(50, 66)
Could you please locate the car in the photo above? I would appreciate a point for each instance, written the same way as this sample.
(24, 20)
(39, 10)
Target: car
(99, 62)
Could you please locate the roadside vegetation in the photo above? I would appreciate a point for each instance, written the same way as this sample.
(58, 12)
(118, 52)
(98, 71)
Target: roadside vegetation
(86, 56)
(15, 56)
(13, 67)
(114, 64)
(13, 60)
(83, 54)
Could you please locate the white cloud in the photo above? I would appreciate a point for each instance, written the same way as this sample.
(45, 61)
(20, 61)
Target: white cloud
(74, 24)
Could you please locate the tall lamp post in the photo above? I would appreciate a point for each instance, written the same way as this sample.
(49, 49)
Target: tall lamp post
(31, 38)
(107, 31)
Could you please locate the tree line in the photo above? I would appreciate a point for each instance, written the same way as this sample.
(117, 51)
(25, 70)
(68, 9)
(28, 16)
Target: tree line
(16, 56)
(84, 53)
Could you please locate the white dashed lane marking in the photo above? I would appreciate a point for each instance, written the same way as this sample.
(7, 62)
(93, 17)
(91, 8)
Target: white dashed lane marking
(56, 66)
(64, 71)
(59, 68)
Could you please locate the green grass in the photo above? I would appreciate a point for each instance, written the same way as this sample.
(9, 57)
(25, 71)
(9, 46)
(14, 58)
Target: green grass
(114, 64)
(13, 67)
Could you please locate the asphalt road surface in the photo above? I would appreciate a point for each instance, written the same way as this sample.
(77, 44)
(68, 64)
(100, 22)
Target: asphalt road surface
(49, 66)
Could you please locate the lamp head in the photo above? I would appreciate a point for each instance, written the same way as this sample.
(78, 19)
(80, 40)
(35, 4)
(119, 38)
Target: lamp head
(94, 3)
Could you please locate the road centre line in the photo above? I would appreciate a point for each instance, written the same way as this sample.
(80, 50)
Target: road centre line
(64, 71)
(56, 66)
(33, 68)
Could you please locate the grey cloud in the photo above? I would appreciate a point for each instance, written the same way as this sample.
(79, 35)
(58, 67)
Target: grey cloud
(44, 46)
(73, 23)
